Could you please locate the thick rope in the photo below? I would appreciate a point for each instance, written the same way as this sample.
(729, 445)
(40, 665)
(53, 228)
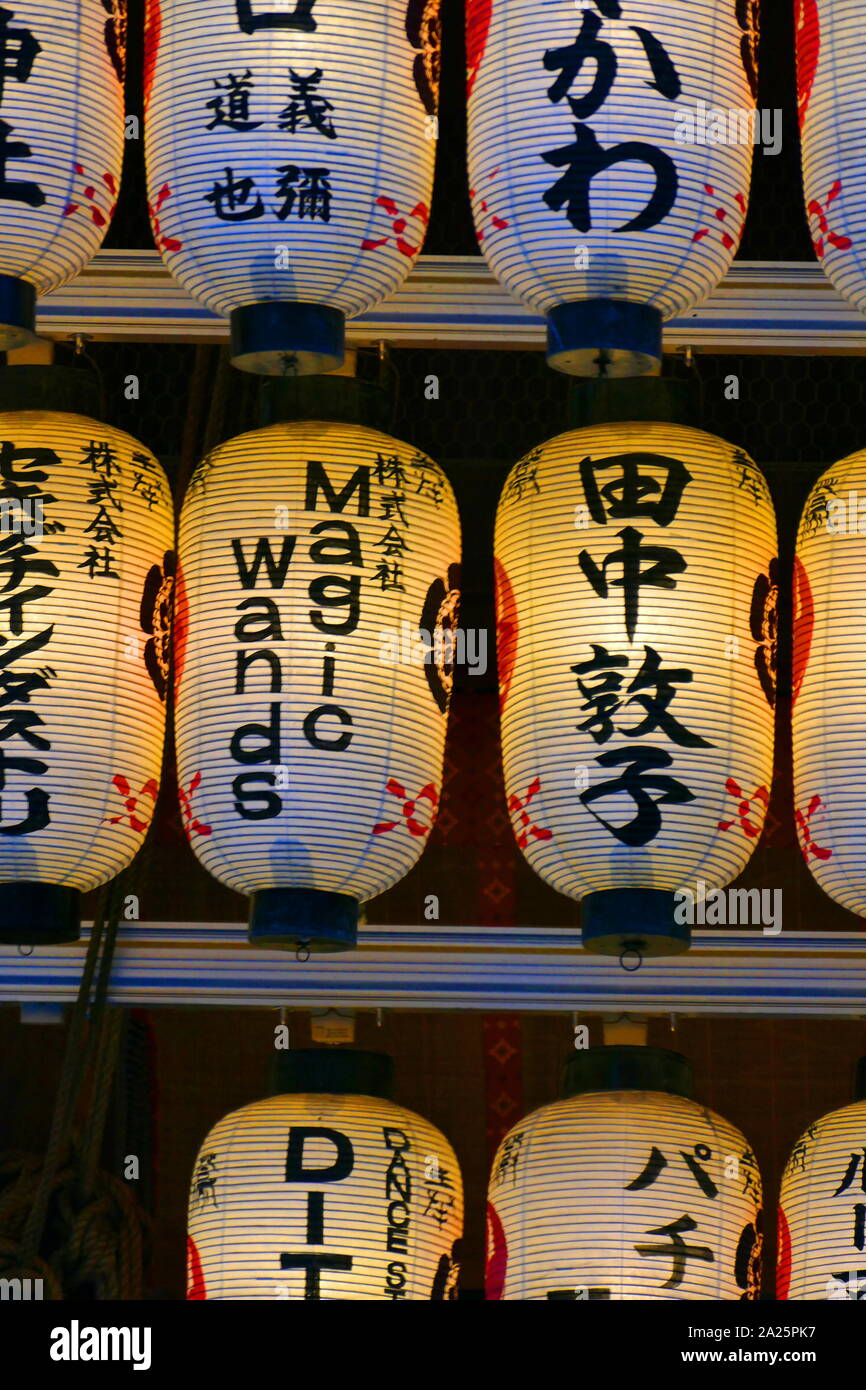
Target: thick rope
(62, 1220)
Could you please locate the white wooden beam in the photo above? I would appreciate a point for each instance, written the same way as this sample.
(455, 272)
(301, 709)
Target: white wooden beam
(454, 302)
(726, 973)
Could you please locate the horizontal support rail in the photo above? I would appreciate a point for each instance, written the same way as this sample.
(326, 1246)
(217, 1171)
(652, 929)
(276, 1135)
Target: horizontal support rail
(454, 302)
(539, 970)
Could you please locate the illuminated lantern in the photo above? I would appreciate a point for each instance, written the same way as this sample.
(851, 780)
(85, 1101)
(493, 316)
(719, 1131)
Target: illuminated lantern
(328, 1191)
(625, 1189)
(832, 132)
(315, 641)
(87, 542)
(822, 1212)
(61, 122)
(636, 588)
(290, 155)
(610, 152)
(829, 713)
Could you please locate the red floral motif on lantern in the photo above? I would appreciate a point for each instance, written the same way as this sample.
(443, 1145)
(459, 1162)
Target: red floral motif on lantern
(506, 630)
(761, 795)
(525, 827)
(410, 809)
(98, 217)
(191, 825)
(721, 216)
(399, 225)
(152, 27)
(804, 624)
(808, 39)
(479, 205)
(783, 1259)
(138, 820)
(195, 1274)
(496, 1266)
(804, 831)
(478, 13)
(818, 210)
(163, 243)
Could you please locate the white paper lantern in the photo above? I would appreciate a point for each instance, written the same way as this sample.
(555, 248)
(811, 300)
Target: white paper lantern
(86, 535)
(636, 639)
(619, 1193)
(331, 1192)
(290, 156)
(830, 73)
(822, 1209)
(61, 146)
(319, 588)
(610, 150)
(829, 712)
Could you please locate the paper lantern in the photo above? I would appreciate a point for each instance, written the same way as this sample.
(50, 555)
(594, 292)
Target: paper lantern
(61, 146)
(314, 658)
(329, 1192)
(87, 536)
(829, 711)
(610, 152)
(290, 157)
(832, 131)
(822, 1207)
(626, 1189)
(636, 590)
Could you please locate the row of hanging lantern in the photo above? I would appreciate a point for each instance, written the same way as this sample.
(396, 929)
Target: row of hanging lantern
(320, 773)
(290, 158)
(634, 722)
(626, 1188)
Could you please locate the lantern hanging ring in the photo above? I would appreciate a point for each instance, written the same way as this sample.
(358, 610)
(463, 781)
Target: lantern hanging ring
(631, 949)
(25, 949)
(302, 954)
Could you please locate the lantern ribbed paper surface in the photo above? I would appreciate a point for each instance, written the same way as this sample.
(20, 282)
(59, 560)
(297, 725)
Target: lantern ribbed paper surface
(624, 1195)
(610, 151)
(830, 73)
(324, 1197)
(636, 637)
(290, 161)
(829, 714)
(88, 565)
(822, 1211)
(61, 144)
(320, 565)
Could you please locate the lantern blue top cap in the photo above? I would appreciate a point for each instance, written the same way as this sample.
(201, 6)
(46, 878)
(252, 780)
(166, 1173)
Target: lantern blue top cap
(332, 1071)
(17, 313)
(604, 337)
(627, 1069)
(277, 338)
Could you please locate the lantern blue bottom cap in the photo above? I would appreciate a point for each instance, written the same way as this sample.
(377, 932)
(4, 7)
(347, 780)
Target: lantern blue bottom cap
(17, 313)
(278, 338)
(632, 922)
(604, 337)
(304, 918)
(39, 914)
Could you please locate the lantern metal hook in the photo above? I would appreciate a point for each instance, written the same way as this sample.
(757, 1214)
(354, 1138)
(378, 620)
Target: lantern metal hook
(302, 954)
(25, 950)
(631, 948)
